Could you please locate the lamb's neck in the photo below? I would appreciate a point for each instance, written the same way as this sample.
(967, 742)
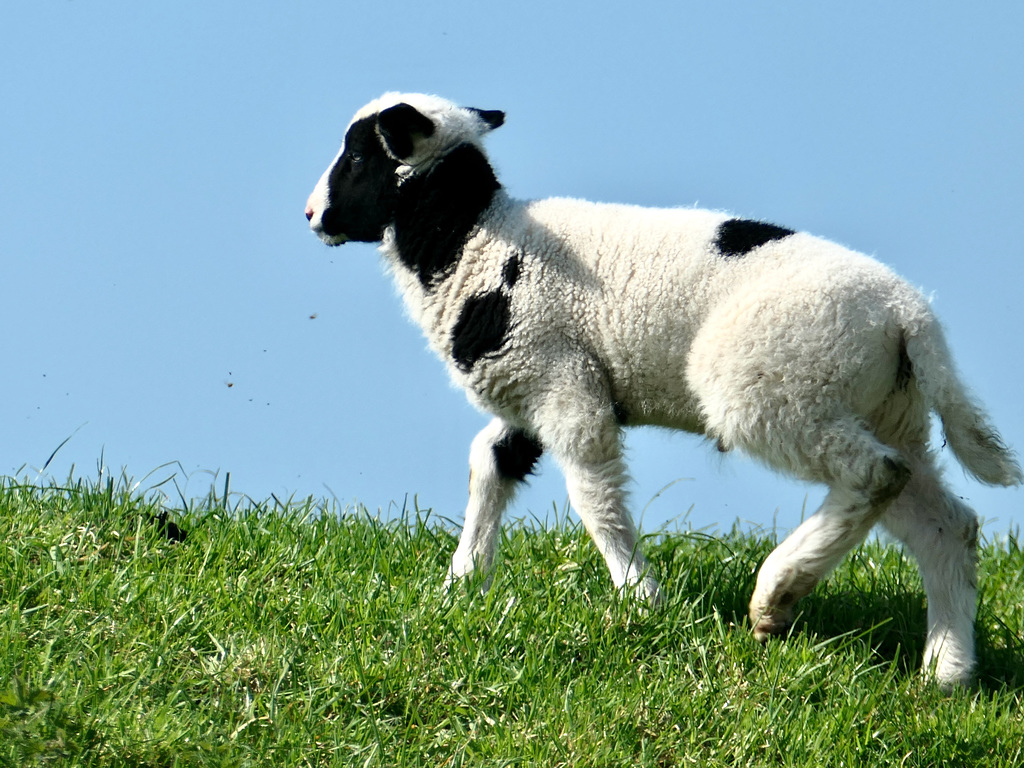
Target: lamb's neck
(438, 211)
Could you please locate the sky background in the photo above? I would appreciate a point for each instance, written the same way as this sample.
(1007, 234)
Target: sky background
(165, 304)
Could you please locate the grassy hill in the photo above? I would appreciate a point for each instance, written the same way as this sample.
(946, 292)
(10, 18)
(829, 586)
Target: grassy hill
(295, 636)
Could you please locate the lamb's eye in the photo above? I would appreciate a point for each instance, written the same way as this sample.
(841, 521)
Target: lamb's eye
(355, 158)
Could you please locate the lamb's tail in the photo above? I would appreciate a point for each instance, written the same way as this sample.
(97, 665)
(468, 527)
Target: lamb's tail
(969, 433)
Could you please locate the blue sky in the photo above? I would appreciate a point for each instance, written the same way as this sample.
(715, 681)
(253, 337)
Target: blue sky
(164, 301)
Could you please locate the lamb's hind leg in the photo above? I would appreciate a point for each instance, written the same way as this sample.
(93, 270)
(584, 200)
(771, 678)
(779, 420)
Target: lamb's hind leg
(499, 460)
(864, 476)
(941, 532)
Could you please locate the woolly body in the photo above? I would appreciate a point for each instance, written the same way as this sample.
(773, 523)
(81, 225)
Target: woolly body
(644, 297)
(567, 319)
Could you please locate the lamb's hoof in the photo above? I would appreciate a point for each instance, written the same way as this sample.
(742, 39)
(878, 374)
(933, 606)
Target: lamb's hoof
(770, 623)
(454, 582)
(950, 667)
(645, 594)
(650, 594)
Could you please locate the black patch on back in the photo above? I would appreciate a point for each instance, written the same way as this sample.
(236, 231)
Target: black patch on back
(437, 211)
(738, 237)
(516, 454)
(481, 329)
(512, 269)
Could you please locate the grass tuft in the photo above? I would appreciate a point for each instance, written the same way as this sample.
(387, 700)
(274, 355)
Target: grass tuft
(298, 634)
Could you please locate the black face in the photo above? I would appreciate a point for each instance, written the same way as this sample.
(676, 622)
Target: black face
(362, 187)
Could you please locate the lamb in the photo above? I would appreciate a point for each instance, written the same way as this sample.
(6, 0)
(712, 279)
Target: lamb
(568, 320)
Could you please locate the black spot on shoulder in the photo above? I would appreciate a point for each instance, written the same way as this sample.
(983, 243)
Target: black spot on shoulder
(516, 454)
(437, 211)
(512, 269)
(738, 237)
(481, 329)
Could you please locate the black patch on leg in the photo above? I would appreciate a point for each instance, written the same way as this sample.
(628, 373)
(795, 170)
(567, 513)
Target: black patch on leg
(738, 237)
(516, 454)
(889, 480)
(481, 329)
(436, 212)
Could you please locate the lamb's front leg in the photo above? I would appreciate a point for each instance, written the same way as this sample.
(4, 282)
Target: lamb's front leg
(499, 460)
(586, 442)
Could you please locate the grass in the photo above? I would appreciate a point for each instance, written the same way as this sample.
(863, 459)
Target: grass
(291, 635)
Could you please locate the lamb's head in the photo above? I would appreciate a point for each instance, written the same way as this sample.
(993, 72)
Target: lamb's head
(388, 141)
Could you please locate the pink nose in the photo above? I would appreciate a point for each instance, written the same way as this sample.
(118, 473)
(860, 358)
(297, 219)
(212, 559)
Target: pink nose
(309, 213)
